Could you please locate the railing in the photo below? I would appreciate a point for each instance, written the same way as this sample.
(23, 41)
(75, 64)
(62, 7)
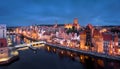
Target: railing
(30, 45)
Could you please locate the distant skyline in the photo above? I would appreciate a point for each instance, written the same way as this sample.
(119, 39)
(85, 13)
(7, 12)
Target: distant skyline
(29, 12)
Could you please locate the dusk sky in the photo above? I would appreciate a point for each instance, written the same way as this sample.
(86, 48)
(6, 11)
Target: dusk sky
(29, 12)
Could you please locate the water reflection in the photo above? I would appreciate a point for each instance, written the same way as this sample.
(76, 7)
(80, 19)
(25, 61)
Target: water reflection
(88, 62)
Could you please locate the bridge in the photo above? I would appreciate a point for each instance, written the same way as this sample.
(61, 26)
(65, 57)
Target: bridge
(11, 33)
(30, 45)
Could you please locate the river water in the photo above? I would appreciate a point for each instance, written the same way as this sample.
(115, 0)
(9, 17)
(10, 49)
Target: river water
(53, 58)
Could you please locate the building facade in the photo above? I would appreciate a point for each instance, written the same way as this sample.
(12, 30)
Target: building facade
(3, 42)
(92, 39)
(2, 31)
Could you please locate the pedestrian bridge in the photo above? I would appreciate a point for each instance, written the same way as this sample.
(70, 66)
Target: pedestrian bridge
(30, 45)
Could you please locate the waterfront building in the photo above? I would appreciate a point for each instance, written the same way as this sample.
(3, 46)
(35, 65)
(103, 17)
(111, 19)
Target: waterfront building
(107, 42)
(92, 39)
(97, 41)
(116, 44)
(89, 33)
(82, 40)
(2, 31)
(86, 42)
(3, 42)
(3, 48)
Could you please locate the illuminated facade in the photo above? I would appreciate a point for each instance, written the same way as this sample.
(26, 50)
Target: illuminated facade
(98, 41)
(89, 33)
(86, 38)
(91, 39)
(68, 26)
(82, 40)
(116, 43)
(107, 42)
(75, 24)
(4, 52)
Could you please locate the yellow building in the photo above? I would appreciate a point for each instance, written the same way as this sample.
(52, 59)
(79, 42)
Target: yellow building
(82, 40)
(91, 39)
(98, 41)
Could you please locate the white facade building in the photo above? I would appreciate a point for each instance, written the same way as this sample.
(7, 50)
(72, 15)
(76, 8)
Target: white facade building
(2, 31)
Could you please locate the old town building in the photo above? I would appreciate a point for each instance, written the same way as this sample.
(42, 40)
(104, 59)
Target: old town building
(75, 24)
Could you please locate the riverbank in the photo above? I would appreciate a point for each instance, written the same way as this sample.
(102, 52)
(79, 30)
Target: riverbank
(85, 52)
(13, 55)
(8, 60)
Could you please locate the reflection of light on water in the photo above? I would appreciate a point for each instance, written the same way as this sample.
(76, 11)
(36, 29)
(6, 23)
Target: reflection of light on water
(54, 49)
(71, 55)
(86, 57)
(81, 57)
(61, 52)
(34, 51)
(92, 59)
(15, 53)
(100, 62)
(48, 48)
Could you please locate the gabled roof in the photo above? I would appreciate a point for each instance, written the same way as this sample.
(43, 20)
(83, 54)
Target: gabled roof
(89, 26)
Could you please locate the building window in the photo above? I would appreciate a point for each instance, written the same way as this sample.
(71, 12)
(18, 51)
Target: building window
(1, 44)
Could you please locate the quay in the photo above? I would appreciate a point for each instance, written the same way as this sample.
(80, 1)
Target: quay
(101, 55)
(77, 50)
(84, 52)
(13, 55)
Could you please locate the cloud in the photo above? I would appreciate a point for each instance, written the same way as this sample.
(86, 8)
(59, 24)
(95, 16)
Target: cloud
(27, 12)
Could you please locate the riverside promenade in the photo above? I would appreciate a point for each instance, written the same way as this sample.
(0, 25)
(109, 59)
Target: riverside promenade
(84, 52)
(77, 50)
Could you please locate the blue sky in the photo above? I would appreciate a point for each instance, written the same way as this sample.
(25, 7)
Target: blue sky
(28, 12)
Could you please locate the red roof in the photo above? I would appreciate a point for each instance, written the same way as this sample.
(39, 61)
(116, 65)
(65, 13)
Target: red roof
(89, 26)
(107, 36)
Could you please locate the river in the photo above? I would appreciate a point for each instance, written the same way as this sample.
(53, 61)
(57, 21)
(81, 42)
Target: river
(52, 58)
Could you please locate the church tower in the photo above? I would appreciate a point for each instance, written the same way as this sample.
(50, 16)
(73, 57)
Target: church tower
(76, 23)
